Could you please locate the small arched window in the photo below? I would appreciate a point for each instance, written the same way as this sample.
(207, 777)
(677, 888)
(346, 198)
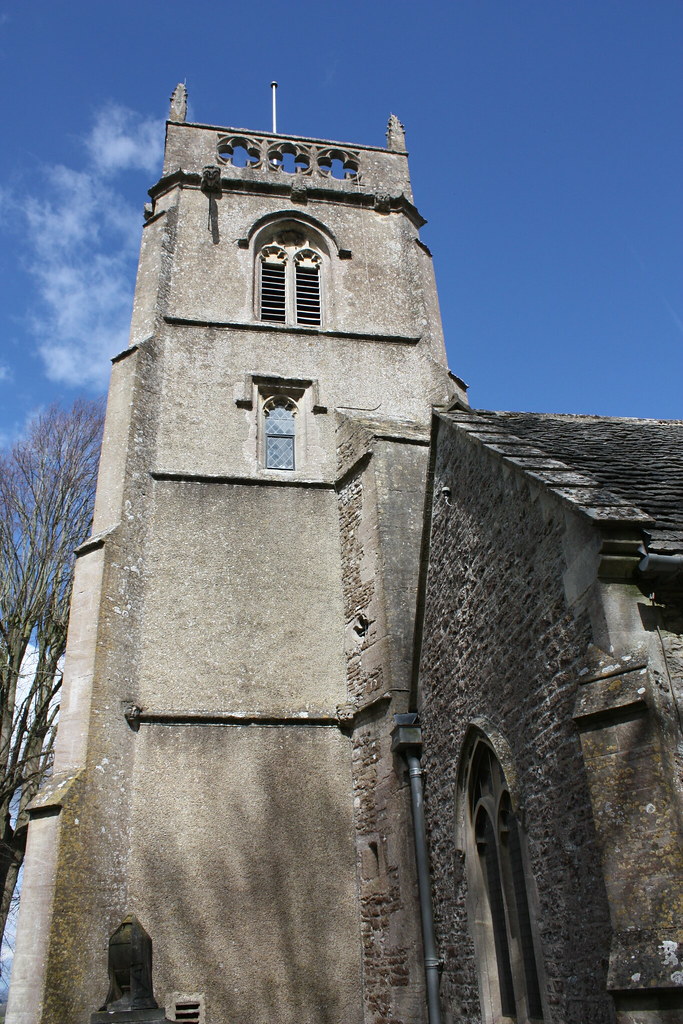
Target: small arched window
(279, 417)
(507, 949)
(289, 281)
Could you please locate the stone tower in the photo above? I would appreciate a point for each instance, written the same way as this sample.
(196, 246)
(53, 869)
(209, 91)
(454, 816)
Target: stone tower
(242, 620)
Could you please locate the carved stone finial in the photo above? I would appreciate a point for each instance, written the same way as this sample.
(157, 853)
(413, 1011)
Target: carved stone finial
(130, 969)
(178, 111)
(396, 134)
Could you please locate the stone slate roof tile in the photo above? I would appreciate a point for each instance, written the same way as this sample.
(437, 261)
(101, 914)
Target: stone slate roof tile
(625, 467)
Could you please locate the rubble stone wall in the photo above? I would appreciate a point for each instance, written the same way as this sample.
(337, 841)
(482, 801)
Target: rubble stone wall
(500, 645)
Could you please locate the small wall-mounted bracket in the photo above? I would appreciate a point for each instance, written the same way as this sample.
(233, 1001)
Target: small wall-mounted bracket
(131, 713)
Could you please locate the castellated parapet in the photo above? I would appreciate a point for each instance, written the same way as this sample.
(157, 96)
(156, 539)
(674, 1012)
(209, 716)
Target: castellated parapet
(242, 620)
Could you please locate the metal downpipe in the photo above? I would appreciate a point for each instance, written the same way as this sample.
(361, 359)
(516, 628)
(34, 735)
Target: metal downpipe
(431, 958)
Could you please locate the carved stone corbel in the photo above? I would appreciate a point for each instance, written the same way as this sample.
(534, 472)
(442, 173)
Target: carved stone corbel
(211, 187)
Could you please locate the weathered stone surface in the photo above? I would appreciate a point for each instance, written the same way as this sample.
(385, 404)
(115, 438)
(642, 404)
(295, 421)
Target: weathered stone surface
(535, 636)
(381, 499)
(241, 635)
(231, 855)
(500, 645)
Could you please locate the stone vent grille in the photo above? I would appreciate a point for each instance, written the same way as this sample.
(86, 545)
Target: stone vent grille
(186, 1008)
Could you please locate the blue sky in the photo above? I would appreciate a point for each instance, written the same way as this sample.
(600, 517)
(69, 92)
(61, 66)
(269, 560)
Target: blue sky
(546, 151)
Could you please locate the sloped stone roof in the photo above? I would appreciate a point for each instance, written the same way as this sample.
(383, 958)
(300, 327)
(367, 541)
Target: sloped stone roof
(613, 468)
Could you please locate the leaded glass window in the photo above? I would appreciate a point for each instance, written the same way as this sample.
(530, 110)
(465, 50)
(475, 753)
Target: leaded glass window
(280, 433)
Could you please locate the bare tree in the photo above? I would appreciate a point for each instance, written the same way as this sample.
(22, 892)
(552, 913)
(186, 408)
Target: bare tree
(47, 486)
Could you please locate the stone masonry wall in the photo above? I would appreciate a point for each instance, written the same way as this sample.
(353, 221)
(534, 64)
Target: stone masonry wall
(500, 644)
(672, 642)
(393, 986)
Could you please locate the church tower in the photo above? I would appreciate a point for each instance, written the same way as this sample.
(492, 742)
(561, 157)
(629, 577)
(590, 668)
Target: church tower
(242, 621)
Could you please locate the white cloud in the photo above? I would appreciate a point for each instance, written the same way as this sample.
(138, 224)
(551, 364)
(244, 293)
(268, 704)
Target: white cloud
(83, 237)
(5, 373)
(121, 140)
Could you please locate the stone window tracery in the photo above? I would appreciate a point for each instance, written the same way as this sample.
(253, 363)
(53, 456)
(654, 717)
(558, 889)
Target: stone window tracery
(291, 157)
(335, 163)
(239, 152)
(289, 284)
(503, 926)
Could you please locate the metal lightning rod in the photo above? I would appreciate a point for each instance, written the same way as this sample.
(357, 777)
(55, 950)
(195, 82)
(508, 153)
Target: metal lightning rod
(273, 86)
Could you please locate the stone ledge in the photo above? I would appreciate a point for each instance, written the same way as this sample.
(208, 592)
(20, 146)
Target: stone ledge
(230, 325)
(53, 794)
(612, 697)
(645, 960)
(250, 481)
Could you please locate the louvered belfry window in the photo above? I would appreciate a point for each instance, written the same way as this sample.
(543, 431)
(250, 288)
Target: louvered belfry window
(307, 287)
(273, 284)
(290, 282)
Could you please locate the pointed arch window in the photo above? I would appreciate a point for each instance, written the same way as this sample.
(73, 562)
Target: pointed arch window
(505, 940)
(290, 281)
(279, 416)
